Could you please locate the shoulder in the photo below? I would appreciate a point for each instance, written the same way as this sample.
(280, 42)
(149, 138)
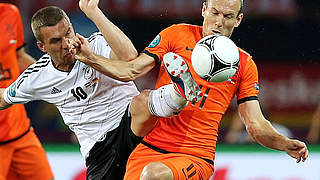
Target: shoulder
(246, 61)
(9, 8)
(245, 56)
(96, 39)
(181, 31)
(243, 53)
(183, 27)
(38, 66)
(95, 36)
(98, 44)
(43, 61)
(34, 72)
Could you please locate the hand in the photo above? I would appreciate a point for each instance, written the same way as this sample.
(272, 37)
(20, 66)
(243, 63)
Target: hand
(89, 7)
(297, 149)
(83, 51)
(72, 44)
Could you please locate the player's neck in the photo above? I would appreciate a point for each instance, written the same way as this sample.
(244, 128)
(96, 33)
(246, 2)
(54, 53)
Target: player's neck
(63, 66)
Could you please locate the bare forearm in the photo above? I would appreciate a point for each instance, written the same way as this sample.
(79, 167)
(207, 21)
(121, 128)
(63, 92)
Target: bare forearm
(259, 128)
(118, 41)
(264, 133)
(120, 70)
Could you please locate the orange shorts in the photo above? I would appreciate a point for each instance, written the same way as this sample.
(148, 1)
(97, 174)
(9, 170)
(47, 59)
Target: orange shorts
(24, 159)
(183, 166)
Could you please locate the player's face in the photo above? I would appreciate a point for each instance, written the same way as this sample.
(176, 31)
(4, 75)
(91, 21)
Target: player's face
(55, 42)
(220, 17)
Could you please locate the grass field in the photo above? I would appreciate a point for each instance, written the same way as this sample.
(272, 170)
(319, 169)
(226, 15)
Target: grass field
(220, 148)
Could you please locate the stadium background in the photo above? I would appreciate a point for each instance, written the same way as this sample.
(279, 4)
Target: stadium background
(281, 35)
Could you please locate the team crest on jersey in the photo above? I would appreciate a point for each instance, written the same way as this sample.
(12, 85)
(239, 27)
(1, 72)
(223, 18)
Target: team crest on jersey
(155, 42)
(13, 41)
(12, 90)
(88, 73)
(232, 81)
(92, 83)
(256, 86)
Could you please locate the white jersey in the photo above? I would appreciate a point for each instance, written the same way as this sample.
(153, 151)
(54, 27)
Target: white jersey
(90, 103)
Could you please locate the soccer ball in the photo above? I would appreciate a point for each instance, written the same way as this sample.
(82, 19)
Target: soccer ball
(215, 58)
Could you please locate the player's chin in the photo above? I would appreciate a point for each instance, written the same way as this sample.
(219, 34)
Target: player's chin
(69, 57)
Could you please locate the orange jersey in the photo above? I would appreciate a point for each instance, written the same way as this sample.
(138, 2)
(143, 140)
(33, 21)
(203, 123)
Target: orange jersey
(13, 121)
(195, 130)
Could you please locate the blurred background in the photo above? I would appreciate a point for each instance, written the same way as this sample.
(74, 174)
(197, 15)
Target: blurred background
(281, 35)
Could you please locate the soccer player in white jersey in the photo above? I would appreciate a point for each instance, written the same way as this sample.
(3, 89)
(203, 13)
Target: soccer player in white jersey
(108, 116)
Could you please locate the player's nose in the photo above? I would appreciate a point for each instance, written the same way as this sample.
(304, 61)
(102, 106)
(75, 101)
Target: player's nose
(219, 21)
(65, 43)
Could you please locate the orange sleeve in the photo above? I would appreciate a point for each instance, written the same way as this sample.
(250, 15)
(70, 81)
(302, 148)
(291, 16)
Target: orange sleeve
(249, 85)
(161, 44)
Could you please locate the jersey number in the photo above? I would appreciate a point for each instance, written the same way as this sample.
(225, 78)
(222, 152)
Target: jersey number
(78, 93)
(204, 97)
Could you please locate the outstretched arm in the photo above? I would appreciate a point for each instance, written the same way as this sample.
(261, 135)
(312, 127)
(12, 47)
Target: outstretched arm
(122, 47)
(263, 132)
(120, 70)
(3, 103)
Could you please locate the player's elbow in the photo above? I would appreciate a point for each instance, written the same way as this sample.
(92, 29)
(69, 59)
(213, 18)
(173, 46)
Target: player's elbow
(134, 71)
(260, 133)
(133, 54)
(128, 76)
(124, 77)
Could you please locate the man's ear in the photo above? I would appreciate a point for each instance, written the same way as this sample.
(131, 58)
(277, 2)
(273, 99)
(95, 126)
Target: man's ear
(239, 19)
(204, 7)
(41, 46)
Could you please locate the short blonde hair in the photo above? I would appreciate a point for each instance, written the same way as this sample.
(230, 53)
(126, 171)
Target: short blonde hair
(48, 16)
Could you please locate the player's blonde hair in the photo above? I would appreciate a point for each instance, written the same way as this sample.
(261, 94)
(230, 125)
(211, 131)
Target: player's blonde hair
(48, 16)
(241, 6)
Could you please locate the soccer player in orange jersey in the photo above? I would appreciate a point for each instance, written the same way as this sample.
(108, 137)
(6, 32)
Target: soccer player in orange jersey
(183, 146)
(21, 154)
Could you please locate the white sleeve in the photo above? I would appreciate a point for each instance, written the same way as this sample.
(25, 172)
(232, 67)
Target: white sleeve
(20, 91)
(99, 45)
